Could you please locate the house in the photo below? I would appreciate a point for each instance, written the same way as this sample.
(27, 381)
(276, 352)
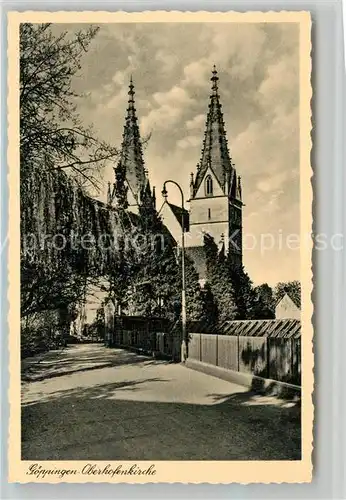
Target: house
(288, 307)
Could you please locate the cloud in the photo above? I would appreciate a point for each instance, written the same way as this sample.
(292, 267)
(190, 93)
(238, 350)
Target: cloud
(162, 118)
(271, 183)
(195, 73)
(119, 100)
(196, 123)
(188, 141)
(170, 107)
(275, 90)
(119, 77)
(258, 67)
(241, 47)
(175, 96)
(167, 60)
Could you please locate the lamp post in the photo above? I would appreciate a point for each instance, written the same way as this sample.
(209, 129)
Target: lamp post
(184, 340)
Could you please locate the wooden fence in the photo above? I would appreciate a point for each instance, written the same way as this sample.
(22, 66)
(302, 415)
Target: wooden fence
(269, 357)
(275, 353)
(147, 335)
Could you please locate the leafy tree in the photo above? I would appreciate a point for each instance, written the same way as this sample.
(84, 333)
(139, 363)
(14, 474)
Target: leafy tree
(97, 328)
(157, 267)
(292, 288)
(194, 296)
(264, 307)
(211, 257)
(154, 286)
(44, 288)
(38, 332)
(158, 281)
(243, 293)
(219, 281)
(210, 307)
(232, 289)
(121, 276)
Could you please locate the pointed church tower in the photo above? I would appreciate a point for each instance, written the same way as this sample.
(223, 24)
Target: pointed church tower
(216, 199)
(131, 187)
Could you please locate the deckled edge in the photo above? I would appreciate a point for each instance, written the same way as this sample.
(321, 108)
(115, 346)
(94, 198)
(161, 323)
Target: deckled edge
(31, 16)
(97, 15)
(307, 291)
(312, 199)
(13, 252)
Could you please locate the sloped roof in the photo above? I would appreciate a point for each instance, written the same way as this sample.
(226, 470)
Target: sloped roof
(295, 299)
(281, 328)
(178, 213)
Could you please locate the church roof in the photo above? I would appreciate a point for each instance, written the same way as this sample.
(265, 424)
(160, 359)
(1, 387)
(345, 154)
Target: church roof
(131, 156)
(178, 214)
(215, 153)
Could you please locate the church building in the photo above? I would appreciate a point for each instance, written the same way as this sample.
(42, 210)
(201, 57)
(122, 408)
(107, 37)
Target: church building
(215, 198)
(215, 202)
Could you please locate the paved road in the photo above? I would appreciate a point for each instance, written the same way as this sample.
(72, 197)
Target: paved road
(93, 403)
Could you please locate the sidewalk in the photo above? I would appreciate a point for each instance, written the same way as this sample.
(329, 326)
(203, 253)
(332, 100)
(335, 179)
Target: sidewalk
(138, 408)
(72, 359)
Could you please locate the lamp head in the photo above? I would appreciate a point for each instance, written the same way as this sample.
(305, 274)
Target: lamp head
(164, 192)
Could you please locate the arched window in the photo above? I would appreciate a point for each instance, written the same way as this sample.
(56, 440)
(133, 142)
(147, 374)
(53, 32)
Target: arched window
(208, 186)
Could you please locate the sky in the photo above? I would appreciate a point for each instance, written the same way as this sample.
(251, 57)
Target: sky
(171, 64)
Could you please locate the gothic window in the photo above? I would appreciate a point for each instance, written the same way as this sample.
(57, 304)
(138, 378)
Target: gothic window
(208, 186)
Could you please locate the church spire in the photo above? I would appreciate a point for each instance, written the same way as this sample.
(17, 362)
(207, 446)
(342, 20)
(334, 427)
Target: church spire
(131, 110)
(214, 79)
(215, 154)
(131, 163)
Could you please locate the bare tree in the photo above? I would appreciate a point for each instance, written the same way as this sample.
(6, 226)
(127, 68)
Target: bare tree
(52, 135)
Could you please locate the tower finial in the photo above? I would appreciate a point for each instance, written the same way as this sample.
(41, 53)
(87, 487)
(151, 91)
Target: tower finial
(131, 91)
(214, 79)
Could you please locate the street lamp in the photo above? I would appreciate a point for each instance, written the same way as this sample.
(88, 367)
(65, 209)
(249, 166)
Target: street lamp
(184, 340)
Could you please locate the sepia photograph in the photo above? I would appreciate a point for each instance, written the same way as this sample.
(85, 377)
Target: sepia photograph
(163, 244)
